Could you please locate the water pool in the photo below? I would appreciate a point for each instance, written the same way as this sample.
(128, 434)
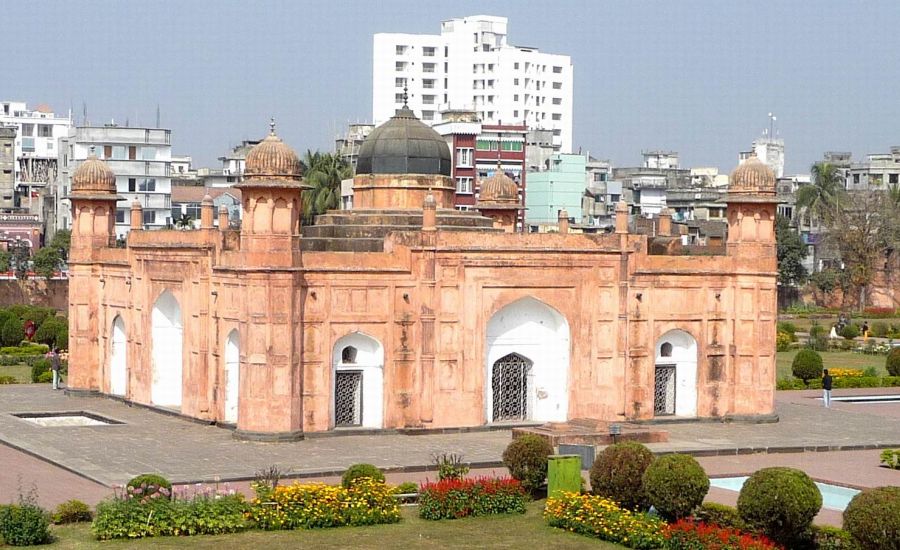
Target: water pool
(866, 399)
(834, 497)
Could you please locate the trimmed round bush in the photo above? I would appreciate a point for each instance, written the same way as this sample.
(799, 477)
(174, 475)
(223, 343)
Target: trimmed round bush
(675, 485)
(526, 459)
(145, 486)
(24, 525)
(407, 488)
(790, 328)
(892, 363)
(879, 329)
(361, 470)
(618, 472)
(13, 332)
(779, 502)
(850, 331)
(807, 365)
(71, 511)
(39, 368)
(873, 518)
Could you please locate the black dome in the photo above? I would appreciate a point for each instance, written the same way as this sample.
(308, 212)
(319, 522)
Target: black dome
(404, 145)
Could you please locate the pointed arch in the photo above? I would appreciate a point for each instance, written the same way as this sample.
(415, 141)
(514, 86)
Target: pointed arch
(232, 376)
(167, 352)
(675, 375)
(539, 334)
(118, 358)
(358, 381)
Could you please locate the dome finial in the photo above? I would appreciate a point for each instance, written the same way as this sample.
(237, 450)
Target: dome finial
(272, 126)
(405, 95)
(93, 147)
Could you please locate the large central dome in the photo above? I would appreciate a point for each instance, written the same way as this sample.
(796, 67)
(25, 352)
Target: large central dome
(404, 145)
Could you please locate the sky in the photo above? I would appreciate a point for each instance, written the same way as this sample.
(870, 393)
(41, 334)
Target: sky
(695, 76)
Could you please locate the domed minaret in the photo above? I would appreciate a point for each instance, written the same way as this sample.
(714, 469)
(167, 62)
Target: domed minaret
(93, 199)
(499, 200)
(751, 212)
(271, 202)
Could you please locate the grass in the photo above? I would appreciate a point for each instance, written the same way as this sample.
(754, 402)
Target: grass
(832, 360)
(21, 372)
(512, 531)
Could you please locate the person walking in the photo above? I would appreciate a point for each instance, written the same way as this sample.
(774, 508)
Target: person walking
(826, 388)
(865, 330)
(54, 366)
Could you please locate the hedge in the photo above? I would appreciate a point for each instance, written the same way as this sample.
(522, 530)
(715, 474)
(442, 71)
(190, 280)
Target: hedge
(133, 519)
(841, 383)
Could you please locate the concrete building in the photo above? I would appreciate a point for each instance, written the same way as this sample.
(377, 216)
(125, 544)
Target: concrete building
(471, 66)
(551, 191)
(437, 319)
(141, 159)
(347, 146)
(878, 170)
(7, 167)
(187, 201)
(38, 132)
(660, 160)
(769, 150)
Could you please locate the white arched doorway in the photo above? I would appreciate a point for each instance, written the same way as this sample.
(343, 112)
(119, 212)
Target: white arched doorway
(165, 389)
(118, 368)
(527, 364)
(358, 382)
(675, 375)
(232, 377)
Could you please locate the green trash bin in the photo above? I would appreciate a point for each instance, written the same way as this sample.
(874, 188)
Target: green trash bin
(563, 474)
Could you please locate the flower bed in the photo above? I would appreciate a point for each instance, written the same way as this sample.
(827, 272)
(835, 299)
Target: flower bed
(687, 535)
(459, 498)
(132, 518)
(316, 505)
(845, 373)
(601, 518)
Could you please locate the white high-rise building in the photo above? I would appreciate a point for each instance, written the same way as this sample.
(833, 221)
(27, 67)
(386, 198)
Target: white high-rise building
(471, 66)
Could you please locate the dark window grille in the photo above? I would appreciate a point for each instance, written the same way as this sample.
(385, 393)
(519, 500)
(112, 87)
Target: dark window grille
(664, 391)
(509, 386)
(348, 398)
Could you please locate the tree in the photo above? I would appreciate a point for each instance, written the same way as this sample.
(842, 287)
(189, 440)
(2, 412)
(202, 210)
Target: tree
(61, 241)
(791, 252)
(5, 259)
(324, 171)
(47, 261)
(21, 254)
(184, 222)
(822, 197)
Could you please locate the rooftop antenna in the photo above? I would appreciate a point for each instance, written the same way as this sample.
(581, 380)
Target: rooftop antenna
(405, 95)
(272, 126)
(84, 120)
(158, 125)
(772, 119)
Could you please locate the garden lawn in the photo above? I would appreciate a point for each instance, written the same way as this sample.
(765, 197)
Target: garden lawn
(21, 372)
(513, 532)
(832, 360)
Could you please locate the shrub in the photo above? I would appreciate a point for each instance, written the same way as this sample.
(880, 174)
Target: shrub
(713, 513)
(459, 498)
(779, 502)
(47, 332)
(309, 506)
(891, 458)
(45, 378)
(818, 338)
(361, 470)
(687, 535)
(132, 519)
(789, 328)
(871, 372)
(24, 524)
(406, 488)
(873, 518)
(831, 538)
(617, 474)
(62, 337)
(38, 368)
(807, 365)
(783, 341)
(6, 379)
(148, 486)
(879, 329)
(12, 332)
(892, 363)
(850, 331)
(675, 485)
(450, 466)
(71, 511)
(526, 459)
(602, 518)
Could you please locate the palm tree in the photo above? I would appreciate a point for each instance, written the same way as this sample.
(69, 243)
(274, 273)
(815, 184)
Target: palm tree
(822, 197)
(184, 222)
(324, 171)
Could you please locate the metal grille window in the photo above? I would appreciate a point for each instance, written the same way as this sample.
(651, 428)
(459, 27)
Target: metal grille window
(664, 390)
(348, 398)
(509, 386)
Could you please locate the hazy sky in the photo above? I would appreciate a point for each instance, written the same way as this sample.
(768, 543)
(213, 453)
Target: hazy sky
(698, 77)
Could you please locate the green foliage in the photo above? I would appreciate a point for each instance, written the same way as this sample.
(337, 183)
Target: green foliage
(818, 338)
(455, 498)
(791, 252)
(526, 459)
(827, 281)
(850, 331)
(133, 519)
(37, 314)
(785, 326)
(46, 262)
(832, 538)
(24, 350)
(5, 379)
(324, 171)
(359, 471)
(873, 518)
(688, 535)
(62, 241)
(780, 503)
(618, 472)
(807, 364)
(598, 517)
(841, 383)
(676, 485)
(713, 513)
(62, 337)
(891, 458)
(145, 486)
(71, 511)
(879, 329)
(892, 363)
(40, 368)
(783, 341)
(49, 330)
(407, 488)
(44, 378)
(24, 524)
(21, 254)
(5, 260)
(450, 466)
(12, 332)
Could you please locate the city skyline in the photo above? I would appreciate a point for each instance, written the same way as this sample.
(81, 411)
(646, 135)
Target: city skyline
(696, 77)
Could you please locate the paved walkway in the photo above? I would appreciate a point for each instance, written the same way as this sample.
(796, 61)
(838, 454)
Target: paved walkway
(185, 451)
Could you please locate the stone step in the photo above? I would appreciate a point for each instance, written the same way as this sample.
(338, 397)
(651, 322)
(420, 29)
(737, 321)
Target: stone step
(327, 244)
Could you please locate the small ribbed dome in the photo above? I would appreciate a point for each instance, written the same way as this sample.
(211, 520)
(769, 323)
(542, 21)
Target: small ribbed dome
(499, 188)
(272, 159)
(404, 145)
(752, 178)
(93, 177)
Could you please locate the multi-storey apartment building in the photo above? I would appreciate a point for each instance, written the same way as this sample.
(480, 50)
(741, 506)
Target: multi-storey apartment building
(471, 66)
(141, 158)
(878, 170)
